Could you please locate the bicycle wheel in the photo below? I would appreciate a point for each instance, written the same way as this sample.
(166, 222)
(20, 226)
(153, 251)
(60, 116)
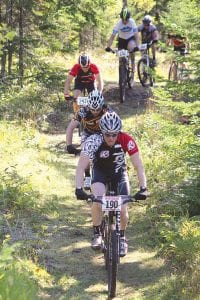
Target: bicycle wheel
(144, 73)
(122, 79)
(112, 263)
(172, 76)
(104, 231)
(130, 77)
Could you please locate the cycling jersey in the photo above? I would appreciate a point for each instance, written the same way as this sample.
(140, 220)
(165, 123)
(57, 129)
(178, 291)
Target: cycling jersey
(89, 121)
(84, 77)
(177, 40)
(125, 31)
(147, 33)
(109, 160)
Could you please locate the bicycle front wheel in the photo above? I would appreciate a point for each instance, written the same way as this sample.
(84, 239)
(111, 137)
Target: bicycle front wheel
(144, 73)
(122, 80)
(112, 263)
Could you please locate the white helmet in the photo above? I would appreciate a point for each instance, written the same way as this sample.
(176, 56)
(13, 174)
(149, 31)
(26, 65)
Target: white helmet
(147, 19)
(95, 100)
(110, 123)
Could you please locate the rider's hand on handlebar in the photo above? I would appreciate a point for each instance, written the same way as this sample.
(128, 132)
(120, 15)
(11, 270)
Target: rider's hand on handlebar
(108, 49)
(141, 194)
(136, 49)
(72, 150)
(67, 97)
(80, 194)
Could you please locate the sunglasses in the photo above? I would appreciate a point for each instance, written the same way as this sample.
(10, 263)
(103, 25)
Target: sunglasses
(111, 134)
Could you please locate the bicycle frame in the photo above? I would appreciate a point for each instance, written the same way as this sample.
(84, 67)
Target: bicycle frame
(111, 207)
(145, 67)
(126, 74)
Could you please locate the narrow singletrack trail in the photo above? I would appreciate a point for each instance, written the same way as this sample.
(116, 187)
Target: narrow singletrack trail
(64, 246)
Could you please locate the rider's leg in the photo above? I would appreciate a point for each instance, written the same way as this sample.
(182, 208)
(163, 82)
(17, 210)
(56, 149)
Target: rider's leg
(98, 189)
(77, 93)
(130, 47)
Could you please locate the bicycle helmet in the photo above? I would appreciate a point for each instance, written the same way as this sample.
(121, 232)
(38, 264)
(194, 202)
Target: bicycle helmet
(125, 14)
(147, 20)
(84, 60)
(110, 123)
(95, 100)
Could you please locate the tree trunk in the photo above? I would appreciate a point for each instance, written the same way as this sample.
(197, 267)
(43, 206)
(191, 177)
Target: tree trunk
(10, 44)
(21, 52)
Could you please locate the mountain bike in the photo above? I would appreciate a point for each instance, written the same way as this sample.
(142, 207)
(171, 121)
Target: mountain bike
(145, 66)
(80, 101)
(126, 72)
(110, 228)
(178, 72)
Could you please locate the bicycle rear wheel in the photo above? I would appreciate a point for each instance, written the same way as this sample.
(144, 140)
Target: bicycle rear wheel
(144, 73)
(112, 263)
(122, 79)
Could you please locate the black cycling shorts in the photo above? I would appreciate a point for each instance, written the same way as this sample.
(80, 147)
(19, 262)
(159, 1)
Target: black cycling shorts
(123, 44)
(81, 86)
(120, 184)
(182, 50)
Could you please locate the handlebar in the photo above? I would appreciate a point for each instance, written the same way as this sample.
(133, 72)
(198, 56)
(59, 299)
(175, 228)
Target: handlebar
(124, 198)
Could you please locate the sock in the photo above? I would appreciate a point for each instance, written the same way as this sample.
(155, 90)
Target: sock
(97, 229)
(122, 233)
(87, 173)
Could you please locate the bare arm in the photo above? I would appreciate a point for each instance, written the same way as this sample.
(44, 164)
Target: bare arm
(99, 81)
(68, 84)
(137, 163)
(69, 132)
(110, 41)
(81, 167)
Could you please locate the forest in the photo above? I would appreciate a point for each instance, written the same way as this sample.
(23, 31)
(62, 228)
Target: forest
(44, 231)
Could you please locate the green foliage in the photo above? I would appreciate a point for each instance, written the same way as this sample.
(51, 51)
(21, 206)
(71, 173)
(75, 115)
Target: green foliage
(16, 281)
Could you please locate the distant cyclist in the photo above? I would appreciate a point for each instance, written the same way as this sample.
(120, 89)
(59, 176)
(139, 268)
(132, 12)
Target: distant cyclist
(178, 42)
(89, 117)
(106, 152)
(127, 31)
(87, 77)
(149, 34)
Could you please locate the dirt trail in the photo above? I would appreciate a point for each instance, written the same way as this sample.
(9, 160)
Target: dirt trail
(78, 271)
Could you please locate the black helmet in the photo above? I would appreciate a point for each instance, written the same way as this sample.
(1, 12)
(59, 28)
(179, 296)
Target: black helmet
(84, 60)
(125, 14)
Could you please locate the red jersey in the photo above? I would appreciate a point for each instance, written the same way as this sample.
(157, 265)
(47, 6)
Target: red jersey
(84, 77)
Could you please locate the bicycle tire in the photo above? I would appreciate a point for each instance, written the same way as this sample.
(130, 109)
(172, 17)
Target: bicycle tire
(171, 75)
(122, 79)
(130, 78)
(106, 241)
(112, 263)
(146, 79)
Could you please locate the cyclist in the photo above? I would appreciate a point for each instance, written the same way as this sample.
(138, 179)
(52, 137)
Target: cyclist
(127, 31)
(106, 151)
(180, 45)
(86, 75)
(178, 41)
(149, 34)
(89, 117)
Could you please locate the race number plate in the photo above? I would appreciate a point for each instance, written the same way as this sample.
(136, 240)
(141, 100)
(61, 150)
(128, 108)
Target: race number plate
(111, 203)
(122, 53)
(82, 101)
(143, 47)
